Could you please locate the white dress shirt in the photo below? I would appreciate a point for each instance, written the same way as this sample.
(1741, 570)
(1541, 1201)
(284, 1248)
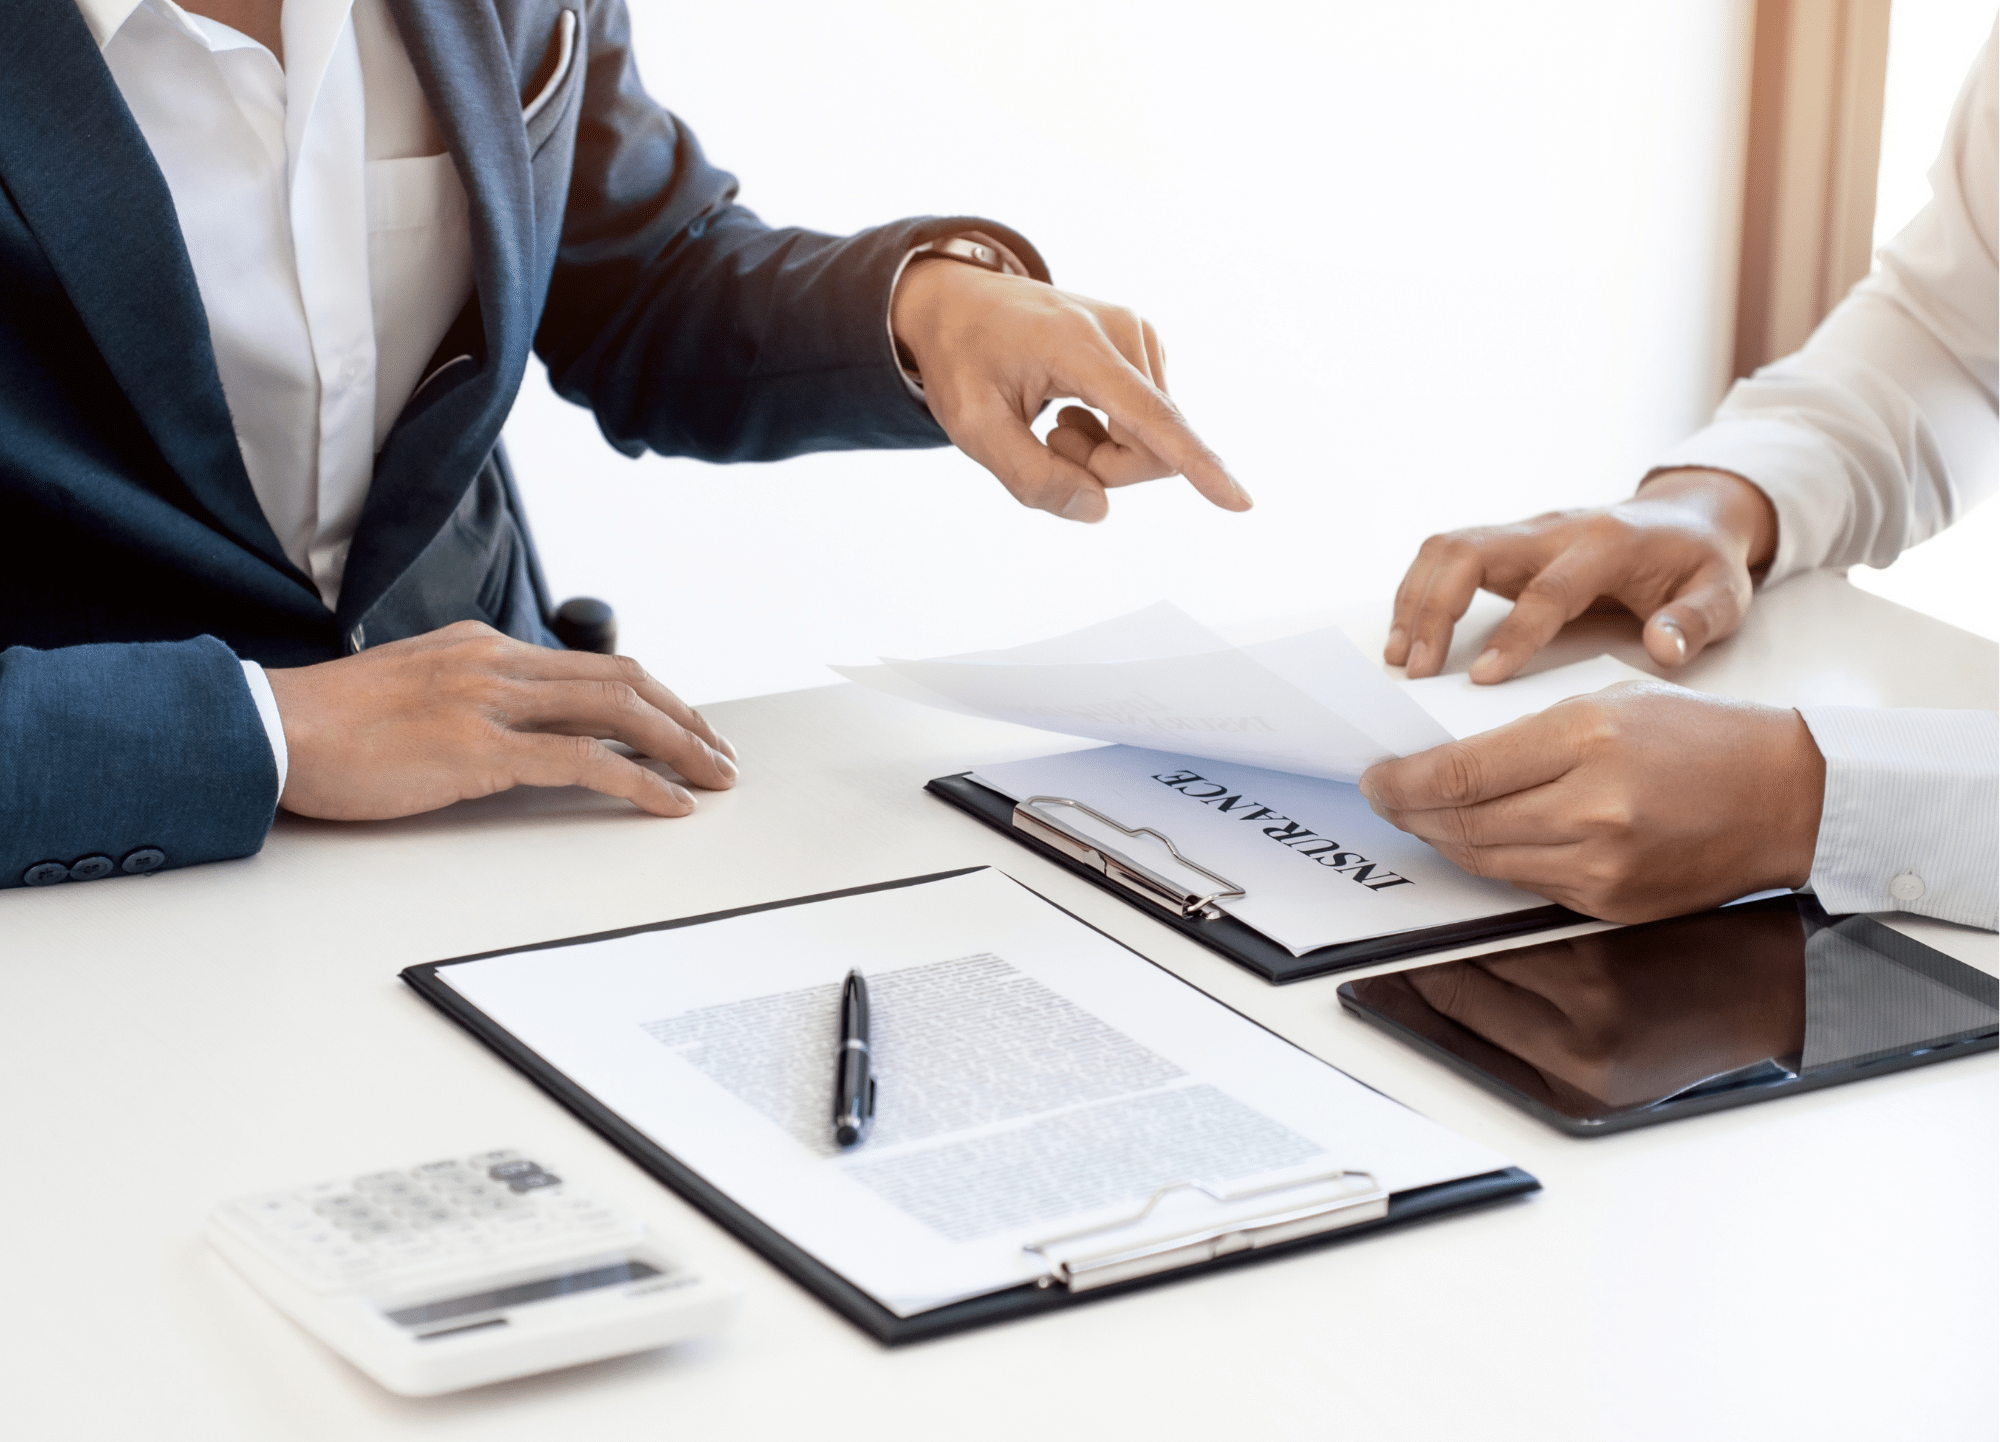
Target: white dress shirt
(327, 230)
(1879, 433)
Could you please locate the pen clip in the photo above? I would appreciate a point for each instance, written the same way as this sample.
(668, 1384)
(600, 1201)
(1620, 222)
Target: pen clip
(1133, 875)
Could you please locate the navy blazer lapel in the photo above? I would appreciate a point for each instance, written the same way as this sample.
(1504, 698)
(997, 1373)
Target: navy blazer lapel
(461, 58)
(74, 162)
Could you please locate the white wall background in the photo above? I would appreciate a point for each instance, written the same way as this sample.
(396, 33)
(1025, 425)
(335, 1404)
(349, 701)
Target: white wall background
(1931, 45)
(1417, 265)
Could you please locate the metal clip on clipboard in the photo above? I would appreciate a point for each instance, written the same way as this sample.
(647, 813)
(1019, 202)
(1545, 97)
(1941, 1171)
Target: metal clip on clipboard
(1079, 1263)
(1132, 875)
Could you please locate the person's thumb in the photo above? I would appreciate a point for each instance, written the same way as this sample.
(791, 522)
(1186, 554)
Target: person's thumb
(1707, 608)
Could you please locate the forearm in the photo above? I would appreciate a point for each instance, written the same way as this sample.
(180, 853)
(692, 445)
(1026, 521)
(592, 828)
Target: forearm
(1870, 440)
(744, 343)
(123, 752)
(1907, 821)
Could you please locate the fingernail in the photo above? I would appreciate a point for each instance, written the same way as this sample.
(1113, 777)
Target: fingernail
(1241, 494)
(680, 795)
(1083, 506)
(1398, 636)
(1367, 788)
(723, 745)
(1419, 653)
(1488, 662)
(1671, 629)
(723, 764)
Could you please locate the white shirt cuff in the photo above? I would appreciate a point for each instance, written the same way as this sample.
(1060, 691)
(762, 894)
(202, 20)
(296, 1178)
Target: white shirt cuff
(267, 712)
(1909, 820)
(1790, 463)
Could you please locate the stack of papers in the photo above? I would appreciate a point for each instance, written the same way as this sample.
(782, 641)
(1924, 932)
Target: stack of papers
(1246, 756)
(1310, 704)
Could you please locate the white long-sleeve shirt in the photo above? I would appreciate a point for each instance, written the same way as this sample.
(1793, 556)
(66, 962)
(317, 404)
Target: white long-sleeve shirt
(327, 229)
(1876, 435)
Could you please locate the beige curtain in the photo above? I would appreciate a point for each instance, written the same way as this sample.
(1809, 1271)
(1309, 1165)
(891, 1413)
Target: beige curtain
(1815, 132)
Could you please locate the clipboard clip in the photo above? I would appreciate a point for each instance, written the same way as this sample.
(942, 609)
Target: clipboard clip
(1080, 1268)
(1133, 875)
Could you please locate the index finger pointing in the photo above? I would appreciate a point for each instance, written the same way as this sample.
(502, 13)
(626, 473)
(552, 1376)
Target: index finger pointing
(1134, 403)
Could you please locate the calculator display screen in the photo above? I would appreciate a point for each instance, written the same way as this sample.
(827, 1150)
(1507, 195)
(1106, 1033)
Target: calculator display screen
(1755, 997)
(542, 1288)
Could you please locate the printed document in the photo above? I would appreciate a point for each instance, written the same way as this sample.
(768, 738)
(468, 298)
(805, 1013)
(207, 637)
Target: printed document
(1318, 866)
(1035, 1078)
(1311, 704)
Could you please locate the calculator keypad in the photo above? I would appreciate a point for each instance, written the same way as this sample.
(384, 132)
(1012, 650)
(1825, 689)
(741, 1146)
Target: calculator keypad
(380, 1226)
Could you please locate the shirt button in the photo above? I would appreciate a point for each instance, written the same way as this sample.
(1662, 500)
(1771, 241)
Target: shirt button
(146, 858)
(90, 868)
(1908, 886)
(45, 873)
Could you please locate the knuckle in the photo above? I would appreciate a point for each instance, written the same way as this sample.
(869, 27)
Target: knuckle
(1610, 817)
(617, 697)
(1605, 528)
(1552, 586)
(630, 672)
(1468, 859)
(579, 753)
(1460, 774)
(1595, 724)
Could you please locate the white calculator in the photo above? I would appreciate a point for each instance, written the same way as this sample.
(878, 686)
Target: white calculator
(468, 1270)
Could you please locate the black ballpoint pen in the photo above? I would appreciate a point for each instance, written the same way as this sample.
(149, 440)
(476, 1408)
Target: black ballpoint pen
(853, 1088)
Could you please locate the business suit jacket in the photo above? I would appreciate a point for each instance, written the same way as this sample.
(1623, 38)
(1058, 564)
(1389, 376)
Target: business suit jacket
(135, 562)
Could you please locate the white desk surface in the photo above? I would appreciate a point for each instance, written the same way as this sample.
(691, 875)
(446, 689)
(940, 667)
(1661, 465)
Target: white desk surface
(1822, 1267)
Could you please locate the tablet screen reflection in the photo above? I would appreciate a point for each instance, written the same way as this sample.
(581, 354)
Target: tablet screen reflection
(1621, 1019)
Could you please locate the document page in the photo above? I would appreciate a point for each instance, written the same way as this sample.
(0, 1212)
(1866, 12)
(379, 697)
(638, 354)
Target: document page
(1311, 704)
(1318, 866)
(1034, 1078)
(1157, 678)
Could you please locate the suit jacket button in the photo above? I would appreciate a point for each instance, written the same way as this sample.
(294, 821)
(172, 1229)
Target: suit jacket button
(146, 858)
(90, 868)
(45, 873)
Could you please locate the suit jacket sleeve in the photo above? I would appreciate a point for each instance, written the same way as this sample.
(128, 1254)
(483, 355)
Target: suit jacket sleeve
(107, 750)
(692, 328)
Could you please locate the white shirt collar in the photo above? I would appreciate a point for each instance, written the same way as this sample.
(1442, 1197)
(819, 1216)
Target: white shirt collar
(107, 17)
(104, 17)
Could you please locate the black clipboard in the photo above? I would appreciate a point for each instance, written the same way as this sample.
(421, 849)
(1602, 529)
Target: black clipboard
(807, 1270)
(1249, 948)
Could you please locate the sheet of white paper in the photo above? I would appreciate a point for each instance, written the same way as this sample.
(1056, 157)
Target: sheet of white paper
(1309, 704)
(1465, 709)
(1319, 867)
(1035, 1077)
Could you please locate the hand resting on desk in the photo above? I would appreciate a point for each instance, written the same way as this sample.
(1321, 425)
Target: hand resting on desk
(1678, 555)
(465, 711)
(1639, 801)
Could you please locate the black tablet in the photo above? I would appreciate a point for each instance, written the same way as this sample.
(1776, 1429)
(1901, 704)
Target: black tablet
(1625, 1028)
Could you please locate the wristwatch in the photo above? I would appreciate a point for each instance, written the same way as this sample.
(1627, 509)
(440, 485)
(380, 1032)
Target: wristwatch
(967, 250)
